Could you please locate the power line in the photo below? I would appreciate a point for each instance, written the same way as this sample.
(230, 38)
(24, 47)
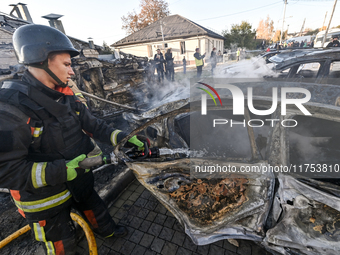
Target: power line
(240, 12)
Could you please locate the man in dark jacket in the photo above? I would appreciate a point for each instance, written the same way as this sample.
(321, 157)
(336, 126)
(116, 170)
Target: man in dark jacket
(169, 65)
(184, 65)
(159, 64)
(334, 43)
(199, 62)
(302, 44)
(42, 143)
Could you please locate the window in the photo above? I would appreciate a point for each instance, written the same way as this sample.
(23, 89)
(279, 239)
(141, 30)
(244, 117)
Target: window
(182, 47)
(334, 70)
(308, 70)
(283, 74)
(304, 71)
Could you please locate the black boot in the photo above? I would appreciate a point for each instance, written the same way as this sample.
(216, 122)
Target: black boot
(120, 231)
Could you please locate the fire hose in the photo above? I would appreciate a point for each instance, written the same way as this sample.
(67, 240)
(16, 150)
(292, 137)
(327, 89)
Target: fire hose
(81, 222)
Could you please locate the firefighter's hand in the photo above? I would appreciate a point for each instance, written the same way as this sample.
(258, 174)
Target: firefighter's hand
(72, 167)
(138, 141)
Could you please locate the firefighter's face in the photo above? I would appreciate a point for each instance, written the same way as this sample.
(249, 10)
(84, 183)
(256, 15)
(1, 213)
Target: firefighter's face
(60, 65)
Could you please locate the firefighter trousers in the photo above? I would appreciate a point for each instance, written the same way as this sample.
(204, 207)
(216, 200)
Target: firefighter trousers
(58, 232)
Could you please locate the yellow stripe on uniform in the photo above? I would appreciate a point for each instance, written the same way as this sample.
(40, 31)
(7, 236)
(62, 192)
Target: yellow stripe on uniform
(37, 132)
(38, 175)
(50, 248)
(39, 234)
(114, 137)
(44, 204)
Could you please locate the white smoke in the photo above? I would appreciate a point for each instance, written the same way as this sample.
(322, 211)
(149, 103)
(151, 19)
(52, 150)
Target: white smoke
(254, 68)
(158, 94)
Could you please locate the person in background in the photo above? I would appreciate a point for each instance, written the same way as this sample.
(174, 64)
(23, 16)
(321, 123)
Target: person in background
(184, 65)
(199, 62)
(219, 56)
(238, 53)
(334, 43)
(170, 72)
(263, 44)
(213, 60)
(159, 65)
(302, 44)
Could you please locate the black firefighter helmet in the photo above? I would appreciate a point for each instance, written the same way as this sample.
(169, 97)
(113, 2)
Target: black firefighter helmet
(32, 44)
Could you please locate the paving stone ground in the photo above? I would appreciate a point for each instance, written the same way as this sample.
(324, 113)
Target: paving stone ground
(154, 230)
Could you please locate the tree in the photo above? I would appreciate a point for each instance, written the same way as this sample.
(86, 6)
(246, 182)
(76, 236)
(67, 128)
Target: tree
(277, 36)
(313, 32)
(107, 49)
(151, 11)
(265, 29)
(242, 35)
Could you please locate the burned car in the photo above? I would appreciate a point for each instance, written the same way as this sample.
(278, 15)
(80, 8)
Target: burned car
(320, 66)
(306, 65)
(289, 212)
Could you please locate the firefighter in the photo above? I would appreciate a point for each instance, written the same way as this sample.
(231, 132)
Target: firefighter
(42, 142)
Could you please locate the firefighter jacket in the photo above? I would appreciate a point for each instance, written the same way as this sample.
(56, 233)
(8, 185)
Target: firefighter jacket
(40, 129)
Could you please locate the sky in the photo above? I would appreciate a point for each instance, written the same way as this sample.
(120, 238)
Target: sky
(101, 19)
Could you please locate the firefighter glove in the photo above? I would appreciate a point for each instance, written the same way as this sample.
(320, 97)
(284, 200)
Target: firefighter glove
(72, 167)
(136, 142)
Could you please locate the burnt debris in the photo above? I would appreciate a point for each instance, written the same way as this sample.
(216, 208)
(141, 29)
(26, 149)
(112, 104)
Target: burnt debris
(116, 80)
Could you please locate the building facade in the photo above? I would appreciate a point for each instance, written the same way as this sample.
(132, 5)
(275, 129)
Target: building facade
(180, 34)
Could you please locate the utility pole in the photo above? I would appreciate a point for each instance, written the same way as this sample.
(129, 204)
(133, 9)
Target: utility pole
(303, 25)
(162, 34)
(283, 22)
(329, 24)
(323, 24)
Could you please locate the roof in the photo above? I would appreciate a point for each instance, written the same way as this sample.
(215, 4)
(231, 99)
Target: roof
(10, 24)
(174, 27)
(296, 56)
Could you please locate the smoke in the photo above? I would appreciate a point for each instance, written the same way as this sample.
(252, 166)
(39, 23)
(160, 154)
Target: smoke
(156, 94)
(254, 68)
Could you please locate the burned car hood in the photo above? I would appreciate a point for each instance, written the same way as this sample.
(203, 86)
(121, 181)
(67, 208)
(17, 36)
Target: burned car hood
(213, 208)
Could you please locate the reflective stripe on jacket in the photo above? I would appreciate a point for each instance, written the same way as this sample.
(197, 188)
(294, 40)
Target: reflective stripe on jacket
(42, 204)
